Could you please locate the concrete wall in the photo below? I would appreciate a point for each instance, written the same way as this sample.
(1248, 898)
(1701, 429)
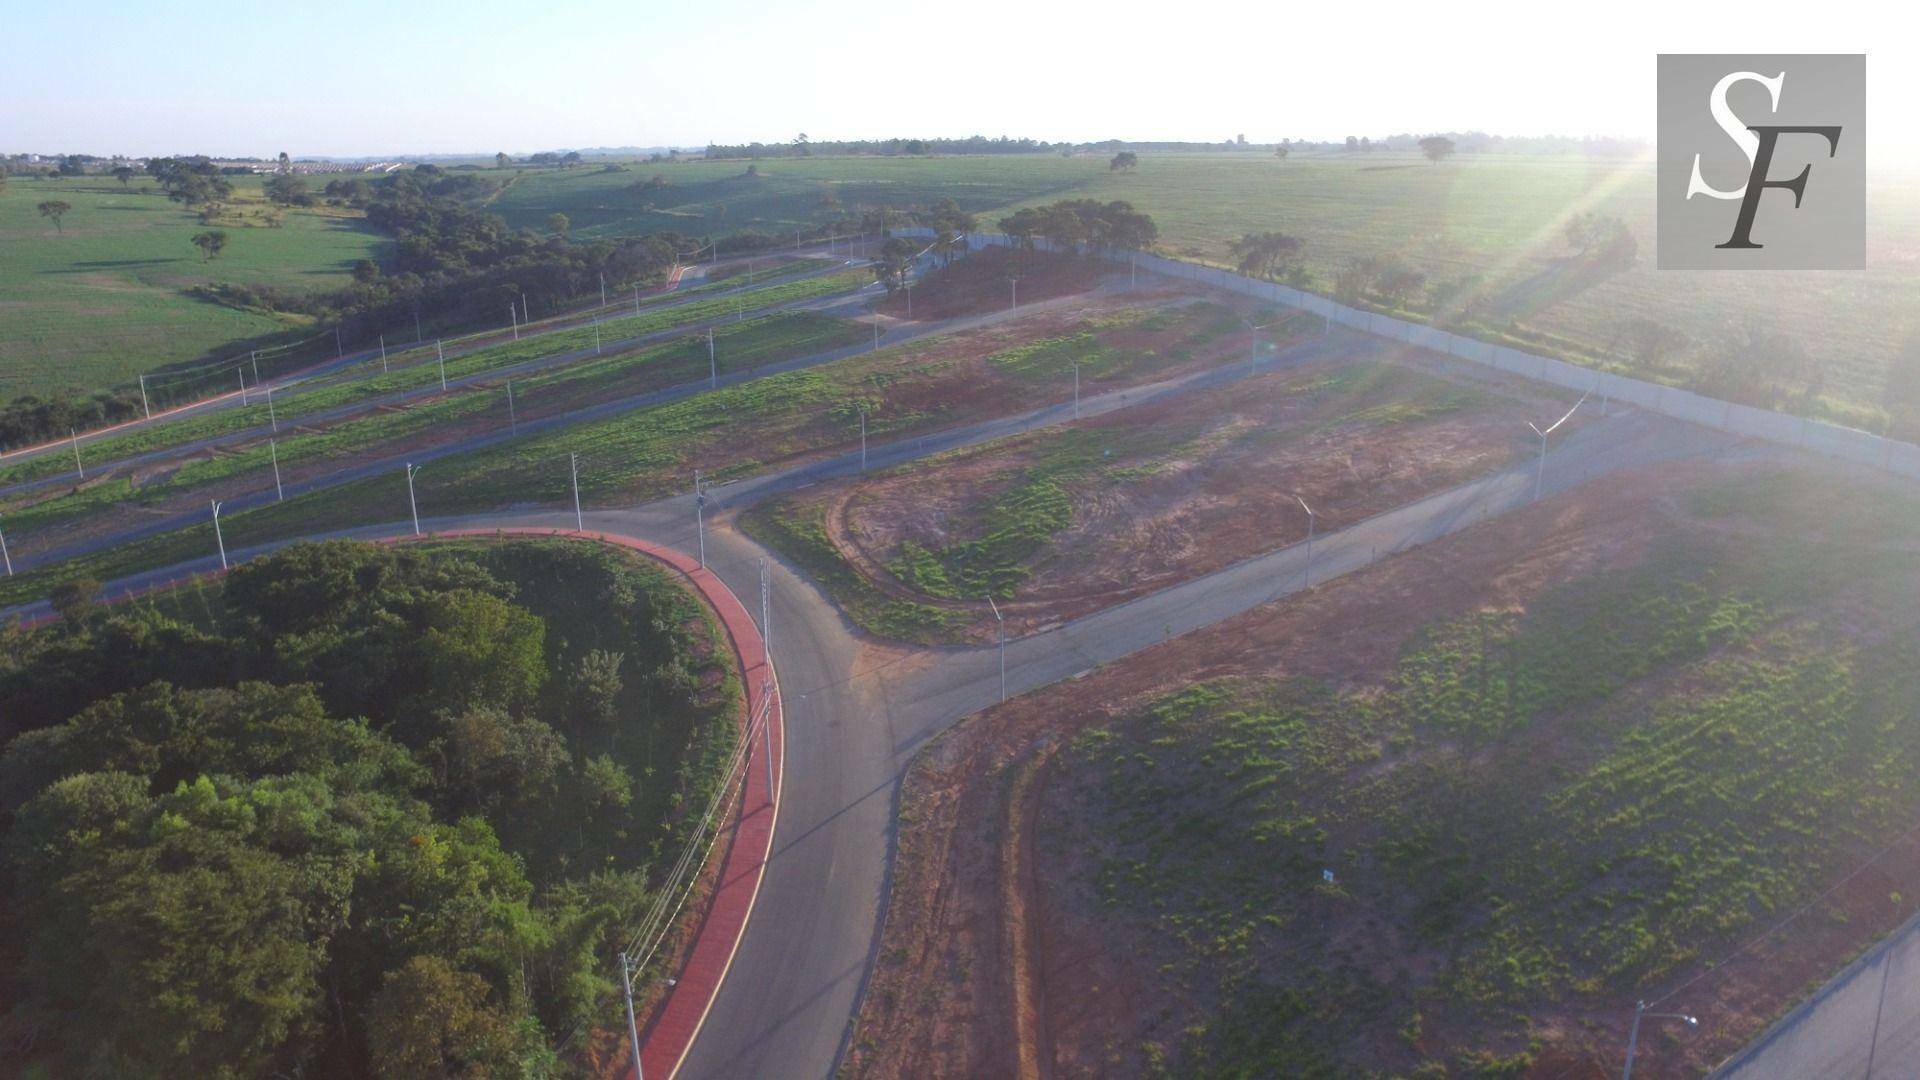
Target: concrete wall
(1817, 436)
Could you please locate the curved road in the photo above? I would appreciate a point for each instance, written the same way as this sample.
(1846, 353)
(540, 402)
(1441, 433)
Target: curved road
(855, 713)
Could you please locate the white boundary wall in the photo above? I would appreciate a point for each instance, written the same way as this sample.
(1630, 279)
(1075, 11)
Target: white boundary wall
(1818, 436)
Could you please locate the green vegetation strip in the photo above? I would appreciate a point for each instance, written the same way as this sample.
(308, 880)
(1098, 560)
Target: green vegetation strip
(744, 344)
(645, 454)
(418, 368)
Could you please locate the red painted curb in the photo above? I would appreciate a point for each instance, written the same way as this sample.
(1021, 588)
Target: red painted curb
(670, 1034)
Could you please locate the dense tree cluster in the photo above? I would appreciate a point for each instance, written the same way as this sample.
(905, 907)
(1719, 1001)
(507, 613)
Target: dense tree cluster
(1099, 225)
(358, 811)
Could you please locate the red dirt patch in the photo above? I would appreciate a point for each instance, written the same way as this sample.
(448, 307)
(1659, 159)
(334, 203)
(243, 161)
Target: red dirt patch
(980, 282)
(942, 995)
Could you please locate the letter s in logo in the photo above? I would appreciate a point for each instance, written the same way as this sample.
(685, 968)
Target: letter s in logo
(1748, 142)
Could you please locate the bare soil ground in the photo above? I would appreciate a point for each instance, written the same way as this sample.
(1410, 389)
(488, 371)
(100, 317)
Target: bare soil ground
(1186, 486)
(989, 279)
(997, 959)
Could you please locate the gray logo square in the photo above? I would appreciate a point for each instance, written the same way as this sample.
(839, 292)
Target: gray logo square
(1762, 162)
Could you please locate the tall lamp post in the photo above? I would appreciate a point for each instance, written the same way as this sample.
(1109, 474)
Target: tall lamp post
(1540, 470)
(1633, 1037)
(413, 506)
(1002, 624)
(1312, 520)
(217, 538)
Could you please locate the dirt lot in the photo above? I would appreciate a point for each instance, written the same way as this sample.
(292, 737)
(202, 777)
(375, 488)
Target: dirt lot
(987, 280)
(1030, 934)
(1059, 523)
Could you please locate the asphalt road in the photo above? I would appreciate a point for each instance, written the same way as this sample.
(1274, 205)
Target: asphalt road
(845, 305)
(856, 715)
(281, 386)
(1862, 1024)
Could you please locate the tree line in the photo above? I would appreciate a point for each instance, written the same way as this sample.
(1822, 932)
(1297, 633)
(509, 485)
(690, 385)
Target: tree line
(356, 811)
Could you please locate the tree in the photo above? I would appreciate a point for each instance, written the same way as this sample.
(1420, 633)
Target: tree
(285, 164)
(211, 243)
(432, 1020)
(890, 268)
(366, 271)
(1437, 148)
(488, 757)
(1260, 254)
(1353, 142)
(501, 160)
(287, 189)
(571, 159)
(1396, 283)
(593, 693)
(124, 174)
(1607, 240)
(1281, 151)
(1651, 344)
(73, 600)
(55, 209)
(558, 224)
(1125, 159)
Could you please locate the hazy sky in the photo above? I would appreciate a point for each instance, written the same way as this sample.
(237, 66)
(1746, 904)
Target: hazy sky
(351, 78)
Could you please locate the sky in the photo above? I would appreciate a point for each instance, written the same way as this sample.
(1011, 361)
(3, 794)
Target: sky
(350, 78)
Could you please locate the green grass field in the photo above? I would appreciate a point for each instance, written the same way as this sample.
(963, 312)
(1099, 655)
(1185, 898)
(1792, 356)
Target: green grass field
(702, 198)
(90, 305)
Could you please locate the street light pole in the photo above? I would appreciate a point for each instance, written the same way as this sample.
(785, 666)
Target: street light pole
(1002, 625)
(413, 506)
(513, 313)
(1312, 520)
(148, 409)
(573, 463)
(713, 365)
(81, 469)
(1076, 389)
(1540, 471)
(633, 1026)
(273, 447)
(383, 354)
(863, 440)
(1013, 283)
(3, 553)
(513, 415)
(273, 418)
(1633, 1037)
(217, 538)
(440, 353)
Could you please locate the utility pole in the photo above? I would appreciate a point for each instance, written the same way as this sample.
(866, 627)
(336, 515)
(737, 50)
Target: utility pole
(603, 290)
(279, 493)
(513, 313)
(1076, 389)
(81, 469)
(440, 354)
(863, 439)
(596, 334)
(1002, 624)
(1014, 284)
(713, 365)
(413, 506)
(766, 608)
(339, 350)
(526, 309)
(573, 464)
(242, 372)
(3, 553)
(513, 417)
(1312, 520)
(633, 1027)
(636, 299)
(217, 538)
(256, 367)
(148, 409)
(1540, 471)
(273, 418)
(383, 354)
